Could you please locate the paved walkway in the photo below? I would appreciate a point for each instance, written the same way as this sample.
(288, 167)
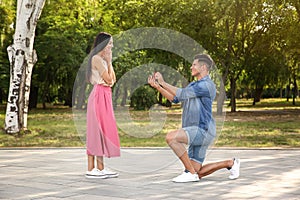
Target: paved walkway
(146, 174)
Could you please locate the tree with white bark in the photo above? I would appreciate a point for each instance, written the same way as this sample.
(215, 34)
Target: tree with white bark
(22, 58)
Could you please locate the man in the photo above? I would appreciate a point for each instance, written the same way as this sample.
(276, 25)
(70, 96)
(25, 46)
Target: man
(198, 125)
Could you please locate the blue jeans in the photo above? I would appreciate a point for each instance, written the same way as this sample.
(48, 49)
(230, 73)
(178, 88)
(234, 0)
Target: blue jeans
(199, 141)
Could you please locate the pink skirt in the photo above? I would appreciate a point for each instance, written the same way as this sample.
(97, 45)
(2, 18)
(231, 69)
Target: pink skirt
(102, 137)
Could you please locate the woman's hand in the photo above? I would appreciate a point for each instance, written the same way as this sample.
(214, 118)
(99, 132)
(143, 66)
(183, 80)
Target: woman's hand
(107, 55)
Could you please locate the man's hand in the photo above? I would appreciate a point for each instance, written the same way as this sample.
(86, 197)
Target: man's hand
(159, 78)
(156, 81)
(153, 82)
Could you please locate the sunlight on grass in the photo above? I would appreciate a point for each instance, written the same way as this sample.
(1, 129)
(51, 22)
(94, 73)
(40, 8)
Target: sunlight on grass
(50, 127)
(266, 104)
(271, 123)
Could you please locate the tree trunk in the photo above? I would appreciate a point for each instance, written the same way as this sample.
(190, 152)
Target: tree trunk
(1, 98)
(221, 97)
(81, 96)
(33, 97)
(124, 97)
(257, 95)
(295, 89)
(68, 98)
(288, 90)
(22, 57)
(160, 99)
(220, 102)
(233, 94)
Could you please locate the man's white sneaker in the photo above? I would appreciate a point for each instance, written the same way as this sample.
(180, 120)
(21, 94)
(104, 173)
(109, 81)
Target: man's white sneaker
(235, 169)
(109, 173)
(186, 177)
(95, 173)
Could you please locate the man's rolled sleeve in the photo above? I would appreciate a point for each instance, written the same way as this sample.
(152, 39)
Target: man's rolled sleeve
(183, 94)
(178, 94)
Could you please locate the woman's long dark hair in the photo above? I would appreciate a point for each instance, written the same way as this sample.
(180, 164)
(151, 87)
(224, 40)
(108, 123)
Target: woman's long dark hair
(100, 42)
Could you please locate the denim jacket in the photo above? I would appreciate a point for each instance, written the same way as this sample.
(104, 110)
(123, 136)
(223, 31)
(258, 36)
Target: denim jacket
(197, 99)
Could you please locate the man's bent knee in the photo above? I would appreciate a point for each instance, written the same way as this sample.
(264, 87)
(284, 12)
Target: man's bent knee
(170, 137)
(177, 136)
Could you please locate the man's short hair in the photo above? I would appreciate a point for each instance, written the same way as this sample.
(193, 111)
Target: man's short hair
(206, 59)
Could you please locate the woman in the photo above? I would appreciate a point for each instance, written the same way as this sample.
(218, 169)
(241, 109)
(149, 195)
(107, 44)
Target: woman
(102, 134)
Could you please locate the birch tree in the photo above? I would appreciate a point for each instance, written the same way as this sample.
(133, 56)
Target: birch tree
(22, 58)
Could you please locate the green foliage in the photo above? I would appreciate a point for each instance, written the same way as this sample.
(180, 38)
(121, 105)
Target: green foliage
(63, 40)
(143, 98)
(7, 14)
(255, 44)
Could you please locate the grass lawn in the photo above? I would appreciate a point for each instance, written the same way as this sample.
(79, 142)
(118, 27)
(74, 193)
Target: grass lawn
(271, 123)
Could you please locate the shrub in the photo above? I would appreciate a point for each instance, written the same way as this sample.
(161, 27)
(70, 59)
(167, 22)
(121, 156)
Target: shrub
(143, 98)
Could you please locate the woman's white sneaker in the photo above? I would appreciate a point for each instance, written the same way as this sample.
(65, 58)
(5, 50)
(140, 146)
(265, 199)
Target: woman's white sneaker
(109, 173)
(95, 173)
(186, 177)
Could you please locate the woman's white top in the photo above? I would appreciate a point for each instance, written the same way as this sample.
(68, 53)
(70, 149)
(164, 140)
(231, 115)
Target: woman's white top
(97, 78)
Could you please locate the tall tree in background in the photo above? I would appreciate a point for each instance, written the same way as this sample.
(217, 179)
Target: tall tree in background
(254, 43)
(22, 58)
(63, 39)
(292, 45)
